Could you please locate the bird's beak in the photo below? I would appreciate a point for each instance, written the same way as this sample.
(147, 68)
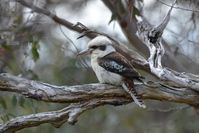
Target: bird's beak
(84, 52)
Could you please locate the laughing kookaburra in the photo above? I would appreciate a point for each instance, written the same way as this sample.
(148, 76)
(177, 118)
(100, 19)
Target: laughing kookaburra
(111, 67)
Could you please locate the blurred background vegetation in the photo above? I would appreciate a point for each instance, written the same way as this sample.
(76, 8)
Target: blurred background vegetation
(34, 47)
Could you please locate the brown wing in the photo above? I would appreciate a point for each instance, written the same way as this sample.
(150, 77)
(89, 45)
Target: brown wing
(117, 63)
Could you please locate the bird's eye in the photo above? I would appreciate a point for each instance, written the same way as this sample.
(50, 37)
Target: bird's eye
(103, 47)
(93, 47)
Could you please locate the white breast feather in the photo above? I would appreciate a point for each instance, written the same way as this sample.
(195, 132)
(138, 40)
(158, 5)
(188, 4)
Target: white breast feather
(105, 76)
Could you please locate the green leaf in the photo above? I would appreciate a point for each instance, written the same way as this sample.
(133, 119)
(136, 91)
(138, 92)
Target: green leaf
(6, 117)
(3, 103)
(21, 102)
(34, 40)
(11, 115)
(18, 20)
(3, 118)
(34, 50)
(14, 101)
(6, 47)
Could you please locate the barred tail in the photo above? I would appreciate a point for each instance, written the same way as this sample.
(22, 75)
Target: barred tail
(129, 88)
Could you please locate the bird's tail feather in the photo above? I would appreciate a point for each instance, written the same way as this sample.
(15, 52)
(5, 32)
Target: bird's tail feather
(137, 99)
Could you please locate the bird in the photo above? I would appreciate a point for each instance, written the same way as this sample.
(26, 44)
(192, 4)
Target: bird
(111, 67)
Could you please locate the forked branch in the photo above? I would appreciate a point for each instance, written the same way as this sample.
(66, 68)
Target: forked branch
(151, 37)
(82, 98)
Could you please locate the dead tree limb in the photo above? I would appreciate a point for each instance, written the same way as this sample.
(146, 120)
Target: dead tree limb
(120, 11)
(82, 98)
(79, 93)
(151, 37)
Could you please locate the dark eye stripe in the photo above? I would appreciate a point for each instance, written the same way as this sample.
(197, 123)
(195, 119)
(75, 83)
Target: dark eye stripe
(94, 47)
(103, 47)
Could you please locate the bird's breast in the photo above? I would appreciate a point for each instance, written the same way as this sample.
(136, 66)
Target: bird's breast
(105, 76)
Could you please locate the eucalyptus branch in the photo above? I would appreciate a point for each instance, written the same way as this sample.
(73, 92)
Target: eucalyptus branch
(151, 37)
(81, 93)
(82, 98)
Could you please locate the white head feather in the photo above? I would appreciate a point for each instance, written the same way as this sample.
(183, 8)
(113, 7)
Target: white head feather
(101, 41)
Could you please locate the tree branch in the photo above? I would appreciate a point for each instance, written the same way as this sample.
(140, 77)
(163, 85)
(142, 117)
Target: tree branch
(82, 98)
(151, 37)
(79, 93)
(56, 118)
(180, 8)
(90, 96)
(56, 19)
(130, 28)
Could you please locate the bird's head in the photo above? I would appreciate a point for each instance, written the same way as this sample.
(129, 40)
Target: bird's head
(99, 47)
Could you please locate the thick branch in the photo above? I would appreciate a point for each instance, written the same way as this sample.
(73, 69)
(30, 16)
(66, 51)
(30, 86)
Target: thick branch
(80, 93)
(82, 97)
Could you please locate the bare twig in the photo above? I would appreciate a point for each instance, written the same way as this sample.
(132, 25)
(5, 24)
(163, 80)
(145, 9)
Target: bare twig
(54, 17)
(181, 8)
(165, 21)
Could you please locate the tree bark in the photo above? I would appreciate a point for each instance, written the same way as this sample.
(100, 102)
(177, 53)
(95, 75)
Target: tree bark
(82, 98)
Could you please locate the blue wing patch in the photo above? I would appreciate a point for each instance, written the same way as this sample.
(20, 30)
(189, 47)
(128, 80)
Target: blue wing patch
(114, 65)
(117, 63)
